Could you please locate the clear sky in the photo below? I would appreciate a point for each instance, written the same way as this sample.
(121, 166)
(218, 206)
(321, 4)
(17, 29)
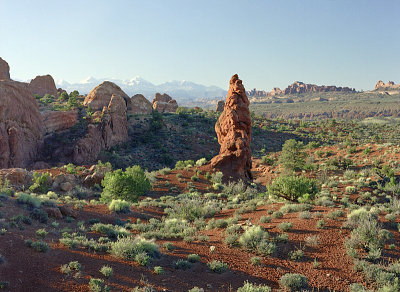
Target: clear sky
(268, 43)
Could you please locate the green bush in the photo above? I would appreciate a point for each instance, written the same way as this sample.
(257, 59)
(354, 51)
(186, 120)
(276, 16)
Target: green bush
(292, 156)
(249, 287)
(106, 271)
(29, 200)
(218, 266)
(293, 282)
(193, 258)
(252, 237)
(128, 248)
(127, 185)
(293, 188)
(97, 285)
(183, 164)
(119, 206)
(182, 264)
(41, 183)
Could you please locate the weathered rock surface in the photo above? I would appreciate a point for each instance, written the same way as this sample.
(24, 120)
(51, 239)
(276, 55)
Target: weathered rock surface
(100, 96)
(67, 210)
(53, 212)
(139, 105)
(387, 86)
(42, 85)
(4, 70)
(55, 121)
(233, 129)
(16, 176)
(220, 106)
(112, 129)
(21, 125)
(163, 103)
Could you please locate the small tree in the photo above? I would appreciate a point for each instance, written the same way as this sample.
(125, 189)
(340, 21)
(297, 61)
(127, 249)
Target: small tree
(125, 185)
(292, 157)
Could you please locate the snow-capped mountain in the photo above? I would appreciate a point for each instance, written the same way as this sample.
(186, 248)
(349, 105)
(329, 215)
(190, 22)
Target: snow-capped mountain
(185, 92)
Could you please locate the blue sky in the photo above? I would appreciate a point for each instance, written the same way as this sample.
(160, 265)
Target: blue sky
(268, 43)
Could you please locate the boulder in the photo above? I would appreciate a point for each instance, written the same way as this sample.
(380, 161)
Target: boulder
(66, 186)
(4, 70)
(163, 103)
(16, 176)
(139, 105)
(43, 85)
(220, 106)
(55, 121)
(53, 212)
(68, 211)
(233, 130)
(111, 130)
(100, 96)
(21, 125)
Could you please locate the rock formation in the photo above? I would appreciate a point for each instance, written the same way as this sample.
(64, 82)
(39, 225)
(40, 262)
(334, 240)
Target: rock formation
(233, 129)
(4, 70)
(55, 121)
(387, 86)
(139, 105)
(220, 106)
(111, 130)
(163, 103)
(42, 85)
(100, 96)
(21, 126)
(299, 87)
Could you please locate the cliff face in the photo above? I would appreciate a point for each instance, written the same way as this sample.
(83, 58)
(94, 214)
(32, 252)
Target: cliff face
(380, 85)
(298, 87)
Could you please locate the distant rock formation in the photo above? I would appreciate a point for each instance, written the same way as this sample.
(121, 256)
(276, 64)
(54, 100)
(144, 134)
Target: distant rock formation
(4, 70)
(100, 96)
(42, 85)
(139, 105)
(55, 121)
(111, 130)
(386, 86)
(298, 87)
(220, 106)
(163, 103)
(21, 126)
(233, 129)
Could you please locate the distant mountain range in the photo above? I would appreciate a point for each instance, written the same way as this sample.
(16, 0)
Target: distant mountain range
(185, 92)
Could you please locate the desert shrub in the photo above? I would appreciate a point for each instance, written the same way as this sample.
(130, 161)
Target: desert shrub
(106, 271)
(41, 233)
(169, 246)
(41, 183)
(193, 258)
(255, 261)
(119, 206)
(70, 267)
(182, 264)
(39, 246)
(39, 215)
(285, 226)
(305, 215)
(97, 285)
(29, 200)
(158, 270)
(293, 282)
(291, 208)
(296, 255)
(252, 237)
(277, 214)
(249, 287)
(312, 240)
(292, 156)
(321, 224)
(183, 164)
(129, 248)
(127, 185)
(265, 219)
(218, 266)
(267, 160)
(217, 177)
(201, 161)
(293, 188)
(112, 231)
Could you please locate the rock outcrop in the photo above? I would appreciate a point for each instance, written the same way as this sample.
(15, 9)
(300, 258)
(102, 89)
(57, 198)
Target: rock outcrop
(233, 129)
(163, 103)
(298, 87)
(220, 106)
(380, 85)
(4, 70)
(42, 85)
(112, 129)
(100, 96)
(55, 121)
(139, 105)
(21, 126)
